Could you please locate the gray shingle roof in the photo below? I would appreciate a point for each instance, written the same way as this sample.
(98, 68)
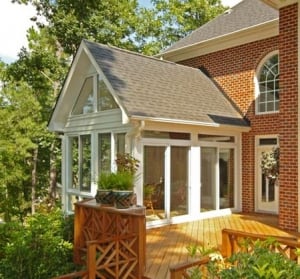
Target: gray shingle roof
(149, 87)
(246, 14)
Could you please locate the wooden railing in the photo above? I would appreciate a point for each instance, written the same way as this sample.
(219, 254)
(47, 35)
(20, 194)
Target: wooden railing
(110, 243)
(231, 243)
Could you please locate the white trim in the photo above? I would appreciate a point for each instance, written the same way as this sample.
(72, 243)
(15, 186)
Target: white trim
(256, 165)
(256, 85)
(189, 122)
(247, 35)
(277, 4)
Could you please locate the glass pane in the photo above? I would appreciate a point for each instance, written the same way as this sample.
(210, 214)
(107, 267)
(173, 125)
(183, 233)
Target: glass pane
(215, 138)
(72, 199)
(262, 97)
(269, 85)
(268, 141)
(226, 178)
(105, 99)
(166, 135)
(84, 103)
(270, 107)
(270, 96)
(120, 143)
(208, 178)
(267, 189)
(179, 180)
(104, 142)
(85, 166)
(262, 107)
(277, 105)
(75, 162)
(154, 199)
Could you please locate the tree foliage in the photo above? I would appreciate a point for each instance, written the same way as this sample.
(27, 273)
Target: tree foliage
(37, 248)
(29, 154)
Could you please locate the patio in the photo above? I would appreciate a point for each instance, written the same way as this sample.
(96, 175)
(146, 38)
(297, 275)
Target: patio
(166, 245)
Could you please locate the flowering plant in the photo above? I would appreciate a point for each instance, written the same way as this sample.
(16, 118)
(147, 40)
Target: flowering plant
(270, 163)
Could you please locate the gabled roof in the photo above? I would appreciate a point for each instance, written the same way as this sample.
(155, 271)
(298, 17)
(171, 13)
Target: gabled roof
(245, 15)
(149, 88)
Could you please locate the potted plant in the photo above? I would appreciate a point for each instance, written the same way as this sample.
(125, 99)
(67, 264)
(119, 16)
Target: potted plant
(117, 188)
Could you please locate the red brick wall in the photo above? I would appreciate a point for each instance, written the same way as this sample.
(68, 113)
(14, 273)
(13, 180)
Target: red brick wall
(288, 45)
(234, 70)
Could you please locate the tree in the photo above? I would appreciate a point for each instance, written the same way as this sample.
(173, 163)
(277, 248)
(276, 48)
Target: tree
(29, 154)
(178, 18)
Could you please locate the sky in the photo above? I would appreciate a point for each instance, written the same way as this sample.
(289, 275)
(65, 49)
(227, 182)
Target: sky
(15, 21)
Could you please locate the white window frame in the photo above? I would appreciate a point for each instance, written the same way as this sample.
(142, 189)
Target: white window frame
(256, 82)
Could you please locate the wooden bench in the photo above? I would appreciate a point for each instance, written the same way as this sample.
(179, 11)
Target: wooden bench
(231, 243)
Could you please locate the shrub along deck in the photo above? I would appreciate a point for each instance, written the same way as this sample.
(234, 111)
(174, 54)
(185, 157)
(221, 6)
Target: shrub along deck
(166, 246)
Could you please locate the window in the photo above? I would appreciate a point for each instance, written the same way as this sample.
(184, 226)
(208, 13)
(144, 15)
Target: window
(84, 103)
(86, 99)
(105, 99)
(81, 162)
(108, 148)
(268, 85)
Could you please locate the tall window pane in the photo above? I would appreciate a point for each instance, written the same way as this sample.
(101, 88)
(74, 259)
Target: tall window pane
(226, 178)
(179, 180)
(208, 178)
(104, 141)
(154, 182)
(85, 163)
(81, 162)
(75, 162)
(268, 79)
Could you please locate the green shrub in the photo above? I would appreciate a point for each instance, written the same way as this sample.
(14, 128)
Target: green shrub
(261, 263)
(38, 249)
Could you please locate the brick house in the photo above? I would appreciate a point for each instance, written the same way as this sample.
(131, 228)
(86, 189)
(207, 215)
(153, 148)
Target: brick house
(198, 117)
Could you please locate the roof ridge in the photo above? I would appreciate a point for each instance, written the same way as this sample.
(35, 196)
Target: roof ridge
(131, 52)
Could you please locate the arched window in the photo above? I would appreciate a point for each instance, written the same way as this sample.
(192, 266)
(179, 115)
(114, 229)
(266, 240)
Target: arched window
(268, 85)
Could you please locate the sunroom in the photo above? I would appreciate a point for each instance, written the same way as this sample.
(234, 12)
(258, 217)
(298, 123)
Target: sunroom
(173, 119)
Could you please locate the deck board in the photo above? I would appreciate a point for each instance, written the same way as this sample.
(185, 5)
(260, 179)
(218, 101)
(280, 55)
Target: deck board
(166, 245)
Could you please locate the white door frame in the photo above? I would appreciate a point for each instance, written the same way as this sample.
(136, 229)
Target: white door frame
(264, 206)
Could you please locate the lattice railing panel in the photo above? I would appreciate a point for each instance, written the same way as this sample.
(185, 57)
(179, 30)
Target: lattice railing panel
(115, 258)
(120, 236)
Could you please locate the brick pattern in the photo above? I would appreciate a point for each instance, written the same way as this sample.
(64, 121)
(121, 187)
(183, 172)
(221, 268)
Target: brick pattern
(234, 70)
(288, 45)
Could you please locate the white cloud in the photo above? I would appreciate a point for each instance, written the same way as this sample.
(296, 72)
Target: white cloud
(14, 22)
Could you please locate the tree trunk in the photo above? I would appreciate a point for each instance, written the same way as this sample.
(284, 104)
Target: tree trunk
(34, 180)
(53, 174)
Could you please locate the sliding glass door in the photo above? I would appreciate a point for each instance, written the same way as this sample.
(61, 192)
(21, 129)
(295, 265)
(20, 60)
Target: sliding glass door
(217, 178)
(165, 187)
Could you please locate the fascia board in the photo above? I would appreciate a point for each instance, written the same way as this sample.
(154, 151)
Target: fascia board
(192, 123)
(259, 32)
(54, 123)
(278, 4)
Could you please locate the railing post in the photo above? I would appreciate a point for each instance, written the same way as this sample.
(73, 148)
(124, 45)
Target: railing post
(91, 260)
(226, 244)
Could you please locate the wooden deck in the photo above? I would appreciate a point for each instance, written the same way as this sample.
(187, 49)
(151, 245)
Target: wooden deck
(167, 245)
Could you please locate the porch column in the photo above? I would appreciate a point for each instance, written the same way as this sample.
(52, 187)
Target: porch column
(289, 115)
